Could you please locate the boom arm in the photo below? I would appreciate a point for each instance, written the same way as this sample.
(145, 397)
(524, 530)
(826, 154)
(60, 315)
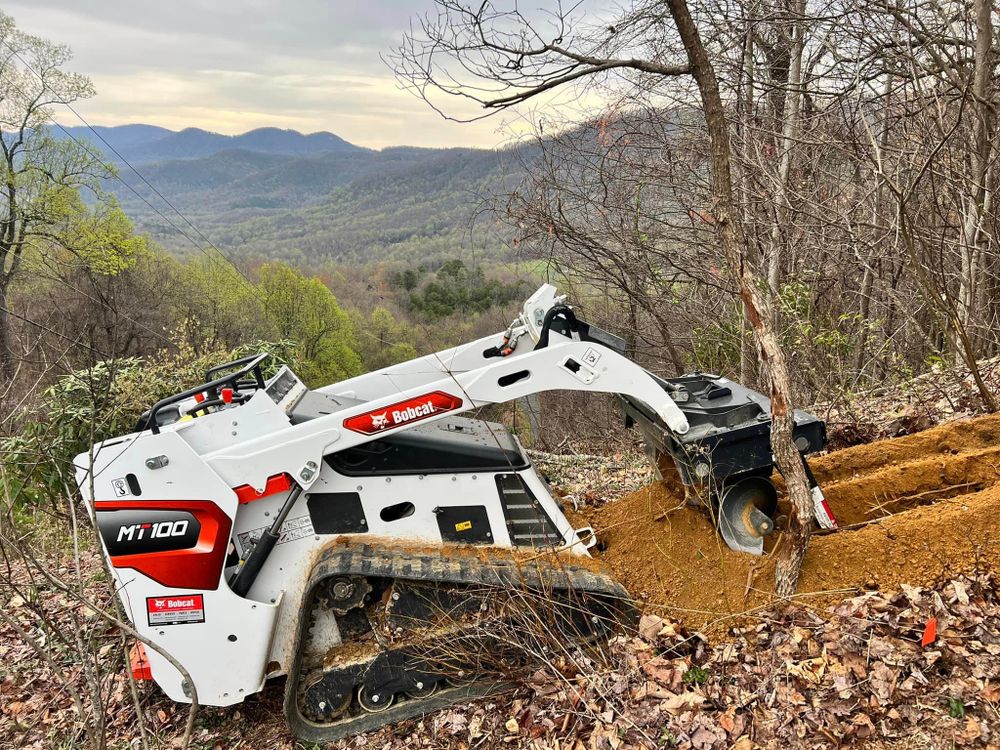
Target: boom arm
(446, 383)
(522, 337)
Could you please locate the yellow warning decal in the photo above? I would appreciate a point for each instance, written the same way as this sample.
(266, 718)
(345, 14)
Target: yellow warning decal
(463, 526)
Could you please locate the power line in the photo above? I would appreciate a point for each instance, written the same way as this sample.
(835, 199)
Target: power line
(118, 177)
(115, 310)
(253, 287)
(160, 195)
(113, 172)
(35, 323)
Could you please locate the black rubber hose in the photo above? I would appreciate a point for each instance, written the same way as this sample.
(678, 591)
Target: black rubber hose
(565, 312)
(247, 573)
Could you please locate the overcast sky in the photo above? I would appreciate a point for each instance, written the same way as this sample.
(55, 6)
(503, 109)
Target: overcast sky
(234, 65)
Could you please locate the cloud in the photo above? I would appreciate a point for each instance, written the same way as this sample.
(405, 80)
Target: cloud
(233, 66)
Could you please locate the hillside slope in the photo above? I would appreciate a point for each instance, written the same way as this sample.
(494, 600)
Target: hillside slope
(414, 204)
(273, 193)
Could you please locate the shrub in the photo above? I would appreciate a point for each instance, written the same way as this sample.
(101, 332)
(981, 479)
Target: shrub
(95, 404)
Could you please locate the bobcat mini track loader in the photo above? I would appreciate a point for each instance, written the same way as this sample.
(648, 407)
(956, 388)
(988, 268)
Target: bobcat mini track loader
(385, 553)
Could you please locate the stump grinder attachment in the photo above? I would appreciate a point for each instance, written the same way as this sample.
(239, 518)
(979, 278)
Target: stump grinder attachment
(724, 458)
(387, 554)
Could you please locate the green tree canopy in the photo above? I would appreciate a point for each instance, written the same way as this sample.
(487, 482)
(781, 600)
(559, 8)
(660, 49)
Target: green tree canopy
(304, 310)
(38, 172)
(383, 340)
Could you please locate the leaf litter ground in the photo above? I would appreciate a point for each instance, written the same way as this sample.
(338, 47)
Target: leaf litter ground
(892, 642)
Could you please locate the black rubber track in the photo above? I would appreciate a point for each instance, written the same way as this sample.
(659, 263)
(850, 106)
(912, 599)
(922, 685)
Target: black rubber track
(492, 567)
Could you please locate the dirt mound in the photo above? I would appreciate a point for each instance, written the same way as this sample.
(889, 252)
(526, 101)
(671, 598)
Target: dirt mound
(951, 438)
(916, 509)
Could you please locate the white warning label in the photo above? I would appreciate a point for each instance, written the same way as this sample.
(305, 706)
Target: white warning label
(293, 529)
(591, 356)
(175, 610)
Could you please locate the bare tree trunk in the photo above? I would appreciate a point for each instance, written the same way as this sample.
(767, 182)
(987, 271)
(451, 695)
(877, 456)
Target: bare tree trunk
(7, 359)
(790, 112)
(633, 328)
(868, 276)
(748, 357)
(978, 201)
(757, 309)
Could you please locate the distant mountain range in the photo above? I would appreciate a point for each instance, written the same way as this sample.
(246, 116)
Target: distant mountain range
(275, 193)
(146, 143)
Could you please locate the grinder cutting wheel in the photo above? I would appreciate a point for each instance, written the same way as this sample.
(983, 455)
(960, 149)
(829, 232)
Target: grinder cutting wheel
(745, 511)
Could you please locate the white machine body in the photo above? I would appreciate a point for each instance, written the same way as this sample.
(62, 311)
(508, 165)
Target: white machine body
(179, 505)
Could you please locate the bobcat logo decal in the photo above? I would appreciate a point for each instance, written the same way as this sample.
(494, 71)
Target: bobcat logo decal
(405, 412)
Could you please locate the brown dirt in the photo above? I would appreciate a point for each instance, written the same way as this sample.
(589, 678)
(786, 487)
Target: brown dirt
(928, 505)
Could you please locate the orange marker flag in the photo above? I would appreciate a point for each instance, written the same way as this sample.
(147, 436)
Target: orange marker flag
(930, 632)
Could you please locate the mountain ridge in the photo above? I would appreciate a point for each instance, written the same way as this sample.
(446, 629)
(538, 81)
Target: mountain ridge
(274, 193)
(142, 144)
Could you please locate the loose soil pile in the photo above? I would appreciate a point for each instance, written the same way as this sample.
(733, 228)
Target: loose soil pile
(915, 510)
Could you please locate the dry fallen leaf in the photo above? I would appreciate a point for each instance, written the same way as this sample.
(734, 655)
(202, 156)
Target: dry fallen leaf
(991, 692)
(810, 670)
(678, 702)
(727, 721)
(972, 731)
(650, 626)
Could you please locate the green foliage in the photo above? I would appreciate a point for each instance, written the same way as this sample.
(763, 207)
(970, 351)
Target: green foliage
(806, 328)
(695, 676)
(41, 173)
(821, 343)
(95, 404)
(219, 309)
(457, 289)
(407, 279)
(716, 344)
(304, 310)
(102, 238)
(108, 243)
(956, 708)
(383, 340)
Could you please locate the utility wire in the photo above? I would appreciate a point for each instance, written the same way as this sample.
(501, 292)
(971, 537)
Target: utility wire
(253, 287)
(35, 323)
(113, 172)
(159, 213)
(118, 177)
(115, 310)
(94, 235)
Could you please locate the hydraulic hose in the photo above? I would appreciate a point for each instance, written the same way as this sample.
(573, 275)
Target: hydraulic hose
(248, 571)
(555, 311)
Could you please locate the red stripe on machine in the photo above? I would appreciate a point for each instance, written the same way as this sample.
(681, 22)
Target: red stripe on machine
(404, 412)
(275, 484)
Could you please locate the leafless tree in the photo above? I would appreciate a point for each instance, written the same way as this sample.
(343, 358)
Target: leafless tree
(499, 58)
